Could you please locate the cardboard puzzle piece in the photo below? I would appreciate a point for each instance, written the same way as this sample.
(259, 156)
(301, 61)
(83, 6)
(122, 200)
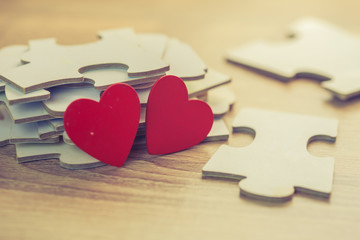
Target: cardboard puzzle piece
(57, 123)
(15, 96)
(318, 50)
(10, 58)
(5, 126)
(218, 132)
(11, 133)
(26, 112)
(51, 64)
(183, 60)
(220, 100)
(71, 157)
(212, 80)
(154, 43)
(28, 133)
(47, 130)
(61, 97)
(106, 76)
(277, 161)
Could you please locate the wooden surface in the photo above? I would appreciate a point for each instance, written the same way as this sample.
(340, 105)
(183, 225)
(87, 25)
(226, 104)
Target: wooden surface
(165, 197)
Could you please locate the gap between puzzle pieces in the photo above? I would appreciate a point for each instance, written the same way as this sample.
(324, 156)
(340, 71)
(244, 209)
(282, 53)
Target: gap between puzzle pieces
(277, 162)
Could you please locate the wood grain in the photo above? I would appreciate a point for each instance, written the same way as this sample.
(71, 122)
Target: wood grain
(165, 197)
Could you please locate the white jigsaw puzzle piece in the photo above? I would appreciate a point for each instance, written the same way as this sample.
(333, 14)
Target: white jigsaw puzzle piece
(71, 157)
(220, 101)
(61, 97)
(52, 64)
(11, 133)
(57, 123)
(212, 80)
(154, 43)
(218, 132)
(277, 161)
(28, 133)
(10, 58)
(46, 130)
(26, 112)
(318, 50)
(184, 61)
(5, 125)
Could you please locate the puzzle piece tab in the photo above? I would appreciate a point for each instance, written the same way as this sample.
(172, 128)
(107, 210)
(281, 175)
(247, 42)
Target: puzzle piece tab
(318, 50)
(277, 161)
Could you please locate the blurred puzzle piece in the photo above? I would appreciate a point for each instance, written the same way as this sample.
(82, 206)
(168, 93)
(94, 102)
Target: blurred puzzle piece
(277, 161)
(318, 50)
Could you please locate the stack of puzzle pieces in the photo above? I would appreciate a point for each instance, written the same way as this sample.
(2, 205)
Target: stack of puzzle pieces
(40, 80)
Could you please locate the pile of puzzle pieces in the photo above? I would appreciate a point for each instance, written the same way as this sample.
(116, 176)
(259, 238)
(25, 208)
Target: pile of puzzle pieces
(40, 80)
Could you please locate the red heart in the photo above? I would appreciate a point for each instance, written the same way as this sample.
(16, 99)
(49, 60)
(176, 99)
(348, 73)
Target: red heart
(173, 122)
(105, 129)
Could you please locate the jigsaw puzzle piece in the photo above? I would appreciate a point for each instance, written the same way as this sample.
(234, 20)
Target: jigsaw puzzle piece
(50, 68)
(218, 132)
(51, 64)
(183, 60)
(313, 52)
(10, 58)
(212, 80)
(57, 123)
(11, 133)
(26, 112)
(71, 157)
(61, 97)
(14, 96)
(154, 43)
(220, 100)
(28, 133)
(277, 161)
(46, 130)
(5, 125)
(106, 76)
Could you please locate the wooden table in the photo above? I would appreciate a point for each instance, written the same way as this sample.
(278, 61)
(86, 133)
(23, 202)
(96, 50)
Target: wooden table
(165, 197)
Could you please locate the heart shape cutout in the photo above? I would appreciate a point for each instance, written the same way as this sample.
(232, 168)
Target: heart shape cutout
(106, 129)
(173, 122)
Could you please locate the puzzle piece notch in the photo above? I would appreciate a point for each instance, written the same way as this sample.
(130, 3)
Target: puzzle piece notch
(277, 161)
(314, 52)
